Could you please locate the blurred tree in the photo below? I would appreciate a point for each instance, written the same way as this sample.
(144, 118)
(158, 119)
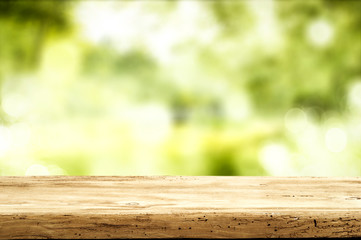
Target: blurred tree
(233, 16)
(24, 26)
(319, 75)
(204, 87)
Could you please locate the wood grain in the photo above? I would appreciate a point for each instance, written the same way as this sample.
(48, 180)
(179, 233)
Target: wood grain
(179, 207)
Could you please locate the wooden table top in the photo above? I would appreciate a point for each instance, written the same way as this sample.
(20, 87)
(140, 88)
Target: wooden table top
(179, 207)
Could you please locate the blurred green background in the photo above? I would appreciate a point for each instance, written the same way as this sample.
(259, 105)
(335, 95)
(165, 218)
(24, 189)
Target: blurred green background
(180, 88)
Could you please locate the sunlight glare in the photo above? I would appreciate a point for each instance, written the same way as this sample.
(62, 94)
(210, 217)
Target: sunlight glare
(335, 140)
(37, 170)
(150, 123)
(354, 96)
(276, 159)
(295, 120)
(5, 140)
(320, 33)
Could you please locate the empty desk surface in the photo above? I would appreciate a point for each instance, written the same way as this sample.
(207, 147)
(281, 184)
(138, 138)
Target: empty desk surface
(179, 207)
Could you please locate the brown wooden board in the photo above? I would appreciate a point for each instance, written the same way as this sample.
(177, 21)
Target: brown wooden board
(179, 207)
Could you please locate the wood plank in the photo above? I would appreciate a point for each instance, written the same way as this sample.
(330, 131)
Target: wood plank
(179, 207)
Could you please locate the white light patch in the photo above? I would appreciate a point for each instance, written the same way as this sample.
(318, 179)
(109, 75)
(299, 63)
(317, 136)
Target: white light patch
(21, 136)
(56, 170)
(15, 105)
(266, 29)
(335, 140)
(150, 123)
(276, 159)
(237, 107)
(354, 96)
(161, 44)
(98, 20)
(59, 63)
(295, 120)
(120, 24)
(37, 170)
(5, 140)
(320, 33)
(125, 26)
(181, 26)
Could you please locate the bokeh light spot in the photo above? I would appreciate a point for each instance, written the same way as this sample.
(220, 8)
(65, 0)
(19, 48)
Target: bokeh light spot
(5, 140)
(15, 105)
(354, 96)
(335, 140)
(295, 120)
(320, 33)
(275, 158)
(37, 170)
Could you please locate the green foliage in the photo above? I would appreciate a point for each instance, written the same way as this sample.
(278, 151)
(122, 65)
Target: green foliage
(232, 16)
(210, 88)
(25, 24)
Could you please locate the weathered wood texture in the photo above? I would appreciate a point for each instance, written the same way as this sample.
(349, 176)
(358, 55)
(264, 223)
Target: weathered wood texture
(179, 207)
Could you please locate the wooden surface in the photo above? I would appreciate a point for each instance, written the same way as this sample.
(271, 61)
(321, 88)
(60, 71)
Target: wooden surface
(179, 207)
